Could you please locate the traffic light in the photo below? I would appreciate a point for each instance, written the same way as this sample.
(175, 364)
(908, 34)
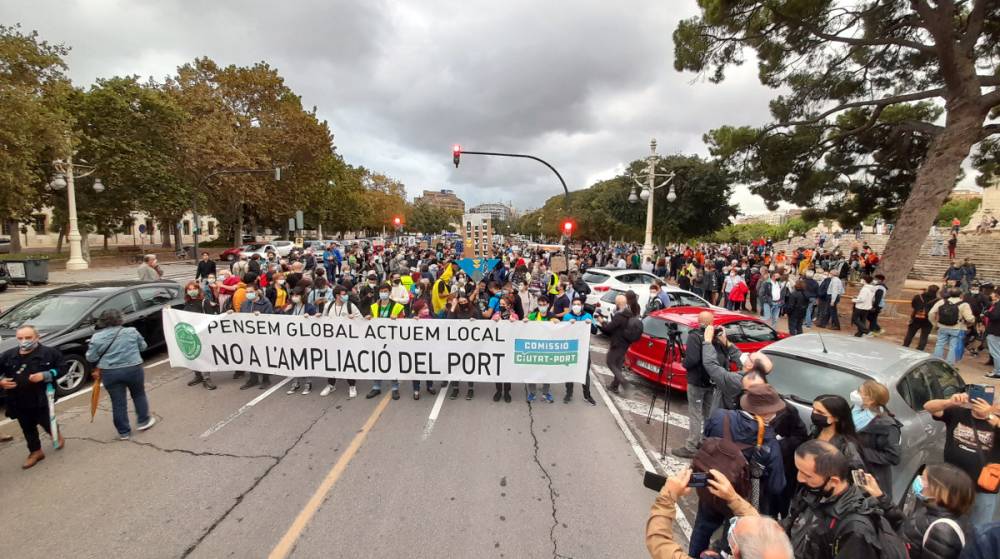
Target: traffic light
(567, 227)
(397, 222)
(456, 154)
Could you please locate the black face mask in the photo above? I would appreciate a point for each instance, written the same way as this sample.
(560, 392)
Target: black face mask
(820, 420)
(820, 491)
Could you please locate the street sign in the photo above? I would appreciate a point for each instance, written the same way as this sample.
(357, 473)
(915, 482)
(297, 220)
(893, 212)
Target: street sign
(291, 224)
(298, 220)
(142, 228)
(299, 242)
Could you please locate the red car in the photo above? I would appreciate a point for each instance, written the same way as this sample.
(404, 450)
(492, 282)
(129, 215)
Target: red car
(645, 356)
(231, 254)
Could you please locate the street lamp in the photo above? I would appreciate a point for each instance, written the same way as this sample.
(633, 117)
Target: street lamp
(64, 178)
(646, 194)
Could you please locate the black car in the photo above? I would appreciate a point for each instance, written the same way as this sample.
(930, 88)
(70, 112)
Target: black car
(66, 318)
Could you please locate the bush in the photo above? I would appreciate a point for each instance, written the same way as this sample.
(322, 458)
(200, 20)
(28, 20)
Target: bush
(23, 256)
(962, 209)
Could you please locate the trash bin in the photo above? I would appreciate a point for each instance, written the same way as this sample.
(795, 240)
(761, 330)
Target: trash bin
(28, 270)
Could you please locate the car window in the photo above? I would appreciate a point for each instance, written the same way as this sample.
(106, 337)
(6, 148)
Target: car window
(803, 380)
(913, 388)
(660, 328)
(595, 277)
(686, 300)
(609, 297)
(122, 302)
(755, 331)
(643, 279)
(626, 278)
(154, 296)
(942, 380)
(734, 334)
(47, 312)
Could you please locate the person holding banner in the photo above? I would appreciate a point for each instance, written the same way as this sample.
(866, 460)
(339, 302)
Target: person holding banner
(461, 308)
(577, 314)
(501, 310)
(254, 302)
(25, 371)
(299, 307)
(196, 301)
(341, 307)
(386, 308)
(541, 313)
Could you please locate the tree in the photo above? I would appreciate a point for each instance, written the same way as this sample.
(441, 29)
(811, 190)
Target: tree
(34, 128)
(878, 74)
(429, 219)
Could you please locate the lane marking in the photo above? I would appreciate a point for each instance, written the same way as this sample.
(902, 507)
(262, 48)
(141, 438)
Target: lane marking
(642, 409)
(87, 390)
(432, 418)
(598, 348)
(284, 547)
(243, 409)
(640, 453)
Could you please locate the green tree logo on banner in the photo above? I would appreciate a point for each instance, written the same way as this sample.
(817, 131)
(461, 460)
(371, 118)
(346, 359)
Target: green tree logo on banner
(187, 340)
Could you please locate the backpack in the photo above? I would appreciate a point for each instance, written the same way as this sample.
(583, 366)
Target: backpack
(948, 314)
(633, 329)
(726, 455)
(948, 522)
(890, 544)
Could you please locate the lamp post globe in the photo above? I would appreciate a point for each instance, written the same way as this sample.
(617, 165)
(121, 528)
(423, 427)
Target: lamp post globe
(644, 194)
(671, 196)
(59, 182)
(98, 186)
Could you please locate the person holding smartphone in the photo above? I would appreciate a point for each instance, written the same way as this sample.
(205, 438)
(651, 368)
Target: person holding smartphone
(971, 443)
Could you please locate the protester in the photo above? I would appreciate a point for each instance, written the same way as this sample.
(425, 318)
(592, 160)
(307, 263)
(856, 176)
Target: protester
(115, 349)
(341, 307)
(863, 306)
(620, 328)
(700, 390)
(206, 267)
(971, 444)
(952, 316)
(196, 302)
(985, 543)
(26, 371)
(147, 269)
(833, 422)
(297, 306)
(921, 304)
(935, 529)
(461, 308)
(772, 293)
(878, 431)
(878, 302)
(834, 291)
(796, 306)
(758, 407)
(255, 303)
(577, 314)
(386, 309)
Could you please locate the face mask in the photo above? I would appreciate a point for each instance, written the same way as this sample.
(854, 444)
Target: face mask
(383, 296)
(27, 345)
(416, 291)
(251, 296)
(820, 420)
(211, 281)
(345, 297)
(820, 491)
(193, 292)
(281, 282)
(918, 488)
(855, 398)
(577, 309)
(371, 284)
(296, 299)
(395, 282)
(543, 309)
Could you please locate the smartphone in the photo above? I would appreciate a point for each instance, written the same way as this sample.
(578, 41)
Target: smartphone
(654, 481)
(981, 391)
(698, 479)
(859, 478)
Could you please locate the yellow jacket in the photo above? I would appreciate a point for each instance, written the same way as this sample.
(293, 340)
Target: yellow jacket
(439, 300)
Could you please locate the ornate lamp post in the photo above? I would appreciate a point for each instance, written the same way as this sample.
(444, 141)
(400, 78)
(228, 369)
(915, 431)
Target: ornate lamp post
(647, 194)
(66, 173)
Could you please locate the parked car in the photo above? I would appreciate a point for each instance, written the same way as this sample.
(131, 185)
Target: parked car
(282, 247)
(648, 356)
(258, 248)
(4, 245)
(678, 298)
(231, 254)
(66, 318)
(603, 280)
(808, 365)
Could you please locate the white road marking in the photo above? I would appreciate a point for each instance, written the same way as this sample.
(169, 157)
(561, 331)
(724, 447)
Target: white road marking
(432, 418)
(598, 348)
(642, 409)
(215, 428)
(87, 390)
(669, 466)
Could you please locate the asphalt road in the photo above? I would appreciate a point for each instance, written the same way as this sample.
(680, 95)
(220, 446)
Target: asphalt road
(305, 476)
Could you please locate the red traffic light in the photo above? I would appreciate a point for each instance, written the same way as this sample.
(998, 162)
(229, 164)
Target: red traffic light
(397, 221)
(456, 154)
(568, 226)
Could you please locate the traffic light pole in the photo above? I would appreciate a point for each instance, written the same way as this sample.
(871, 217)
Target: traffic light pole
(523, 156)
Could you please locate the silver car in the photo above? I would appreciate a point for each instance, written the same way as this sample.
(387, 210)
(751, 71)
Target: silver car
(808, 365)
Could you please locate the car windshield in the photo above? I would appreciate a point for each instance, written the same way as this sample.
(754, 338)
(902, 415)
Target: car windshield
(659, 328)
(47, 313)
(609, 297)
(802, 381)
(595, 277)
(684, 299)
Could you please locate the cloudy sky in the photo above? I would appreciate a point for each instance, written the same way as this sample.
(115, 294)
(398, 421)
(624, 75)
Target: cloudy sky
(582, 84)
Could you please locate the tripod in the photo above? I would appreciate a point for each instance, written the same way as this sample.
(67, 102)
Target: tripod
(676, 348)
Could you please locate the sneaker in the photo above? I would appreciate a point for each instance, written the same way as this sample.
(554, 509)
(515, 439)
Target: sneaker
(548, 397)
(531, 396)
(454, 394)
(991, 375)
(308, 388)
(147, 424)
(372, 393)
(293, 389)
(352, 392)
(683, 452)
(124, 437)
(395, 394)
(469, 394)
(328, 389)
(416, 394)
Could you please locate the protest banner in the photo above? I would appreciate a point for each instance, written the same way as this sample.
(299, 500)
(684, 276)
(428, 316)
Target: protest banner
(404, 349)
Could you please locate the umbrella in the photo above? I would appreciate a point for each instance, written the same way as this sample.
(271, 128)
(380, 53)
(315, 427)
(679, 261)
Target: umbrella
(95, 394)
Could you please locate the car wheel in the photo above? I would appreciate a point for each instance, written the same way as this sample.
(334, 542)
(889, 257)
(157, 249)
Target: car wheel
(230, 257)
(75, 376)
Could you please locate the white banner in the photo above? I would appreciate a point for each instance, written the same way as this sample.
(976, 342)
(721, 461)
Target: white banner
(403, 349)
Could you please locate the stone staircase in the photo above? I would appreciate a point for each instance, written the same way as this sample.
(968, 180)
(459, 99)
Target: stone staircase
(982, 250)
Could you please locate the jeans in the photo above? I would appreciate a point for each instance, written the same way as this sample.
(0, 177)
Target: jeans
(117, 382)
(983, 508)
(809, 312)
(377, 385)
(772, 311)
(993, 342)
(705, 524)
(948, 337)
(699, 407)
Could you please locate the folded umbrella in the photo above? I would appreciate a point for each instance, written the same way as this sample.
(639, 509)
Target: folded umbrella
(95, 394)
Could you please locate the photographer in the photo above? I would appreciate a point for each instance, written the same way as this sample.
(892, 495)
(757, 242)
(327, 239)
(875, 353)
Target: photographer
(700, 390)
(752, 536)
(728, 384)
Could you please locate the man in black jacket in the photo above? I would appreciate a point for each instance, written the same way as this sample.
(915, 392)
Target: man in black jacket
(25, 372)
(206, 267)
(992, 315)
(700, 391)
(615, 329)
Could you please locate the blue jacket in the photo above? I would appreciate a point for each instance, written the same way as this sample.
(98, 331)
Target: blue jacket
(309, 309)
(985, 544)
(118, 352)
(744, 430)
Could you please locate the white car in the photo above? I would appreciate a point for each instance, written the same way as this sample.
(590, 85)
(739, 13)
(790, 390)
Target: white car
(678, 298)
(258, 248)
(283, 248)
(602, 280)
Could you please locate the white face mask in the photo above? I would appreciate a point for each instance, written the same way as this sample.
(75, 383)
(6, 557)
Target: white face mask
(577, 309)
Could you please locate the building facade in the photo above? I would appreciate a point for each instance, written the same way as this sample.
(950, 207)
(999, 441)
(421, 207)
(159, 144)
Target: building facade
(498, 211)
(477, 236)
(444, 199)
